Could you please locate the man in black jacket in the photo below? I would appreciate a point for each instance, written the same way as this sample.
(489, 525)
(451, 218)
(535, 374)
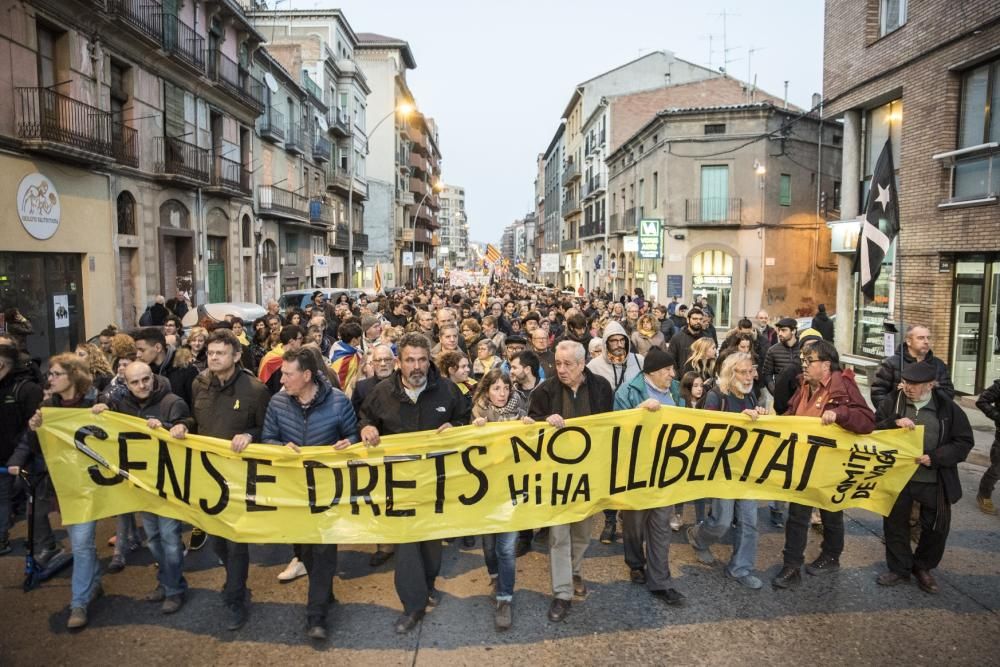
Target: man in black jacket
(935, 485)
(916, 346)
(149, 397)
(782, 354)
(151, 348)
(20, 396)
(989, 404)
(230, 403)
(573, 392)
(681, 341)
(414, 398)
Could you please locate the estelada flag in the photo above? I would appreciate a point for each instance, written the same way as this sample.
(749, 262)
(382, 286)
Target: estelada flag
(378, 279)
(881, 223)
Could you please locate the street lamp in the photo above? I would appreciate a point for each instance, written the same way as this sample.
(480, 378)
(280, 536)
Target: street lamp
(404, 109)
(435, 187)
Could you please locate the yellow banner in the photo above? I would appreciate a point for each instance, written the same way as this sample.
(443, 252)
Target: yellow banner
(469, 480)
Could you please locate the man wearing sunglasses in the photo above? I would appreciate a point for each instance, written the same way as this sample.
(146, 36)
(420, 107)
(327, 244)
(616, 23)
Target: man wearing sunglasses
(831, 394)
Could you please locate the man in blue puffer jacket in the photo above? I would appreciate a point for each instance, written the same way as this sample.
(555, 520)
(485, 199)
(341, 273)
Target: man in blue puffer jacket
(309, 412)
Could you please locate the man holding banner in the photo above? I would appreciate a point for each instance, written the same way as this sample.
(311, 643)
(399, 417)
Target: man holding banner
(414, 398)
(574, 392)
(309, 412)
(831, 394)
(150, 398)
(229, 403)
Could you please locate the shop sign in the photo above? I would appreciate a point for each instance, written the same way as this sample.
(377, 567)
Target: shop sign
(650, 239)
(38, 206)
(630, 243)
(713, 280)
(407, 258)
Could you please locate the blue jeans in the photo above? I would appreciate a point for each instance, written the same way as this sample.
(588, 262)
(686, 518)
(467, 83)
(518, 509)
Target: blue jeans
(164, 539)
(498, 550)
(86, 569)
(125, 532)
(745, 539)
(699, 510)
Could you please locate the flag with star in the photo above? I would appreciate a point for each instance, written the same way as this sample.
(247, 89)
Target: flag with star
(880, 225)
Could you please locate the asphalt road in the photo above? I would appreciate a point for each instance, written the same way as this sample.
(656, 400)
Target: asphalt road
(844, 618)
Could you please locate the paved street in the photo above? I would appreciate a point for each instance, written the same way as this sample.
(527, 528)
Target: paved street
(845, 618)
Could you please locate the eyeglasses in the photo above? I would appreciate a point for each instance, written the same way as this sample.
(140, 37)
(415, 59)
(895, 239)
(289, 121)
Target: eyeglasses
(807, 362)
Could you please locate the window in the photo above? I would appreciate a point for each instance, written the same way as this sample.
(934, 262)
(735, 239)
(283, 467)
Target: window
(977, 172)
(246, 229)
(714, 193)
(892, 16)
(47, 39)
(785, 195)
(291, 249)
(126, 214)
(715, 128)
(269, 257)
(656, 190)
(881, 123)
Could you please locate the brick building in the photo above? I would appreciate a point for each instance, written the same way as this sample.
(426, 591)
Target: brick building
(928, 77)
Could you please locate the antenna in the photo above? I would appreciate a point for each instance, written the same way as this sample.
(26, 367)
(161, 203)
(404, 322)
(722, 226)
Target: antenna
(750, 76)
(725, 41)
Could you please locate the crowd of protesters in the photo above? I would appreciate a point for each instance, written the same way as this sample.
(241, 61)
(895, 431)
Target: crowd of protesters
(346, 373)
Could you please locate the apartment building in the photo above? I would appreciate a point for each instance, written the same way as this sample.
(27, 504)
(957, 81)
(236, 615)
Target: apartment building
(127, 128)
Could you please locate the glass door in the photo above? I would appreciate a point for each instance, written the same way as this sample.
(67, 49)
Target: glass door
(969, 282)
(992, 351)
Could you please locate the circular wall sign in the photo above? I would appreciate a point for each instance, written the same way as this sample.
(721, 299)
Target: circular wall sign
(38, 206)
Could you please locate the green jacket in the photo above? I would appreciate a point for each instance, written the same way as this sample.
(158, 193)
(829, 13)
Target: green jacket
(631, 394)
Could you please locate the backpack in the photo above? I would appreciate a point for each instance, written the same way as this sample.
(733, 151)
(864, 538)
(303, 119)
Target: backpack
(146, 319)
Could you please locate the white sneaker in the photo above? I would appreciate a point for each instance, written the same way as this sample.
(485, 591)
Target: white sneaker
(295, 569)
(676, 522)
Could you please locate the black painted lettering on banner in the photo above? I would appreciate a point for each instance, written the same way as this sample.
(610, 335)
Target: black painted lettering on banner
(391, 484)
(165, 469)
(222, 484)
(362, 493)
(484, 482)
(253, 479)
(338, 485)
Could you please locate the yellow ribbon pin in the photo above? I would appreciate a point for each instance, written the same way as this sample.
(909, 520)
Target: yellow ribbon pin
(236, 405)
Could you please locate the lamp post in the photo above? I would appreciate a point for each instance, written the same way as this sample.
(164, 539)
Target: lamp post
(404, 110)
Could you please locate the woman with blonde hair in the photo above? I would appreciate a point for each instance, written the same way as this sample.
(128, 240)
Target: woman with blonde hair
(194, 351)
(702, 359)
(97, 364)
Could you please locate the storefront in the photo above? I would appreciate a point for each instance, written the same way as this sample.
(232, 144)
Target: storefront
(870, 318)
(975, 332)
(57, 266)
(712, 277)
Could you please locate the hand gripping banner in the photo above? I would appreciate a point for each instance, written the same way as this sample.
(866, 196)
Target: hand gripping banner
(469, 480)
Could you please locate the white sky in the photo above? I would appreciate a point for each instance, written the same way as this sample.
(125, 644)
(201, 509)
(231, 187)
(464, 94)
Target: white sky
(496, 75)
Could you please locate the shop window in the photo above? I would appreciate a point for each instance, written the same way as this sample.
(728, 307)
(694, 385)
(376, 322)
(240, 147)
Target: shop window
(126, 214)
(269, 257)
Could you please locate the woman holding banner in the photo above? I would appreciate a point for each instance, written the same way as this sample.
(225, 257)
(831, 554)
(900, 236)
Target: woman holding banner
(496, 401)
(71, 386)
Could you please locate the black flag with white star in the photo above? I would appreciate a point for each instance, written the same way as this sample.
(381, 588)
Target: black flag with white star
(881, 223)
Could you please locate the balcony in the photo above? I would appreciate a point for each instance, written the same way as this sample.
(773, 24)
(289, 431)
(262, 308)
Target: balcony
(713, 211)
(234, 79)
(181, 41)
(592, 229)
(571, 172)
(418, 162)
(177, 160)
(313, 89)
(623, 223)
(570, 205)
(271, 125)
(294, 140)
(339, 122)
(340, 239)
(593, 186)
(321, 149)
(337, 179)
(142, 16)
(418, 187)
(55, 123)
(321, 213)
(569, 245)
(230, 175)
(283, 203)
